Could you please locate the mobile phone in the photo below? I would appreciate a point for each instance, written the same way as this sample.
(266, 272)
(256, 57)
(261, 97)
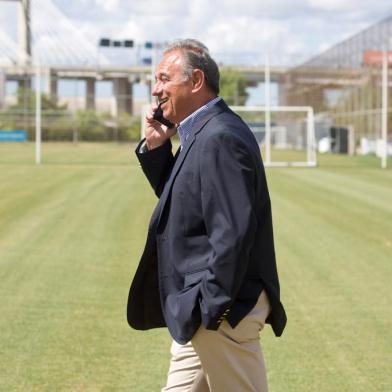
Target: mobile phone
(158, 116)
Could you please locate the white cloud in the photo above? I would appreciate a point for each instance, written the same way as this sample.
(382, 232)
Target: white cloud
(107, 5)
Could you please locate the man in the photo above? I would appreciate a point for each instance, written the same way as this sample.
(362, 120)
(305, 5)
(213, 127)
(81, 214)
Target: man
(208, 269)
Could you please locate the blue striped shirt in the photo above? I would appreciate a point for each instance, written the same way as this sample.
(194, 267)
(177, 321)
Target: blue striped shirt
(186, 125)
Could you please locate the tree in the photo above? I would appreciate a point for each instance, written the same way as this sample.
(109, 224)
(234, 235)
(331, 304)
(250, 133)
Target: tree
(25, 100)
(21, 115)
(233, 87)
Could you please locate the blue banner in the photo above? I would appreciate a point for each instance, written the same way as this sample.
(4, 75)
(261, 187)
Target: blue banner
(13, 136)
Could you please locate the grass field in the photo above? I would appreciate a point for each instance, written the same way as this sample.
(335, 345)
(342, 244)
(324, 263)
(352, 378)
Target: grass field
(72, 231)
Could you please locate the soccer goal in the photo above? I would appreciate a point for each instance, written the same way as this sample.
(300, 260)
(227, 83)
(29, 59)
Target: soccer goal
(286, 134)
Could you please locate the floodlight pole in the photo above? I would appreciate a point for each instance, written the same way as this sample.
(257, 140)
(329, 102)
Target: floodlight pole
(38, 154)
(384, 116)
(267, 94)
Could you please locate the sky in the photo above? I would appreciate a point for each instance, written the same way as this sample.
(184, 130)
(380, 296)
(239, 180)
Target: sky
(290, 30)
(235, 31)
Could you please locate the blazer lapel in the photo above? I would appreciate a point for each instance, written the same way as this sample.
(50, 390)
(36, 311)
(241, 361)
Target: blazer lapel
(197, 127)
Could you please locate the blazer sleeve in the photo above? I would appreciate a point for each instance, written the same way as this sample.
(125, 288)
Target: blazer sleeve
(156, 164)
(228, 203)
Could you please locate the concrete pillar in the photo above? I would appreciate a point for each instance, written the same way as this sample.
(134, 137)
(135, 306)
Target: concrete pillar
(290, 92)
(51, 85)
(25, 82)
(90, 94)
(283, 90)
(123, 95)
(53, 89)
(149, 91)
(2, 89)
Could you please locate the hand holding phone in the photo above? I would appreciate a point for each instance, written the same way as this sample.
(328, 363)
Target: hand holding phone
(158, 115)
(155, 134)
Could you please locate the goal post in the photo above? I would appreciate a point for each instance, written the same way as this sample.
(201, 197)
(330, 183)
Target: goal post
(287, 136)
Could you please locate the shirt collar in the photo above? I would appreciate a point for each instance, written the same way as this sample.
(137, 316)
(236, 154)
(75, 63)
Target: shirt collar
(186, 125)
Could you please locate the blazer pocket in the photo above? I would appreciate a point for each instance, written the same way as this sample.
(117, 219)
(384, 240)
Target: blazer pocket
(192, 278)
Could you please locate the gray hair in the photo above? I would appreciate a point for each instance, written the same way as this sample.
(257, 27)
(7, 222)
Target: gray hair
(197, 56)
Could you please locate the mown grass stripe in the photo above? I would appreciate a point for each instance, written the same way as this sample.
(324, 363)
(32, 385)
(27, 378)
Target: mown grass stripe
(71, 235)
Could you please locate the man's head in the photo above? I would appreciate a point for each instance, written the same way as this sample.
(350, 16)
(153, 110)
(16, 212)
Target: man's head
(186, 78)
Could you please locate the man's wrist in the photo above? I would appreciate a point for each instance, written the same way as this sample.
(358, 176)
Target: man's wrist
(151, 145)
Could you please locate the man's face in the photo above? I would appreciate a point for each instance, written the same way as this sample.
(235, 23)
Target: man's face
(173, 88)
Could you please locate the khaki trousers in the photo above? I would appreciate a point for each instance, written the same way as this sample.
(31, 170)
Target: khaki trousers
(226, 360)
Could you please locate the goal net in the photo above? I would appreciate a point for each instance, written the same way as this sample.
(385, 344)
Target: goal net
(285, 134)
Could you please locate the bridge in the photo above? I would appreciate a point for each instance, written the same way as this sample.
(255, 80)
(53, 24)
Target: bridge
(122, 78)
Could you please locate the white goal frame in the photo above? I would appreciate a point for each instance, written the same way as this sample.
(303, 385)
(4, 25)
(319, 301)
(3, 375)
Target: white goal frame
(311, 156)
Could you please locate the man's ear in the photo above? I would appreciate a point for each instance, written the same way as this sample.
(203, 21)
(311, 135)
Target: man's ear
(198, 80)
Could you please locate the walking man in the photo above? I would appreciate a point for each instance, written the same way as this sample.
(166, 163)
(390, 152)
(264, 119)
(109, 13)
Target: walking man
(208, 270)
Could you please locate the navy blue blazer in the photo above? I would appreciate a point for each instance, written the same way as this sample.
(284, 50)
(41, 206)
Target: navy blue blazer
(210, 249)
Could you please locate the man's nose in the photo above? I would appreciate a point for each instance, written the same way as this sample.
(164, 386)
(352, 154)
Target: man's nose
(157, 90)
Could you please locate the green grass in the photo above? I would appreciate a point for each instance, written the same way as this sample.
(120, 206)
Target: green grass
(72, 231)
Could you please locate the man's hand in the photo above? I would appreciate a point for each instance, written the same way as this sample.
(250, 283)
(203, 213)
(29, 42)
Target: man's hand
(157, 133)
